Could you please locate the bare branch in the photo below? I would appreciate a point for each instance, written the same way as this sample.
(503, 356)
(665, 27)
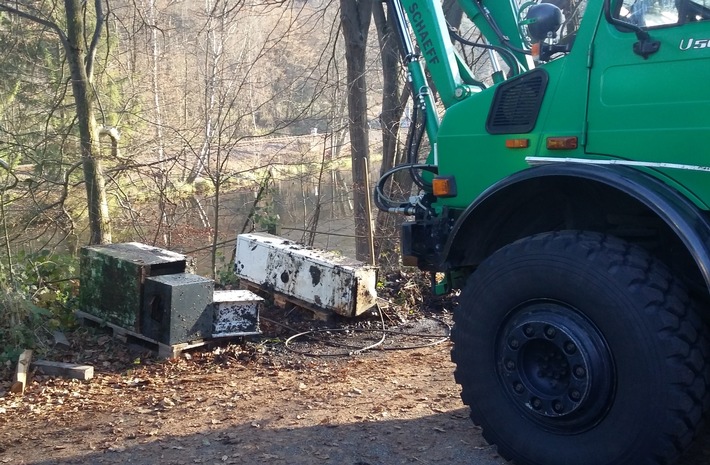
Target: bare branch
(36, 19)
(91, 53)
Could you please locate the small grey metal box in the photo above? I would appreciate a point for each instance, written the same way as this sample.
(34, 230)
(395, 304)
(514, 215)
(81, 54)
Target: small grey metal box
(236, 313)
(176, 308)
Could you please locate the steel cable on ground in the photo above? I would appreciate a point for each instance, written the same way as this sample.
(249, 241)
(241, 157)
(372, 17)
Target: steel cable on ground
(311, 334)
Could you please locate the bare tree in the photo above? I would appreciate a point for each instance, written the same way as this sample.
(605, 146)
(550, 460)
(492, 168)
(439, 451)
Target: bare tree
(355, 17)
(79, 43)
(245, 82)
(394, 100)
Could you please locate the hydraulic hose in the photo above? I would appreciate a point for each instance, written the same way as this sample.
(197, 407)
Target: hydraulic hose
(384, 203)
(496, 29)
(506, 54)
(413, 150)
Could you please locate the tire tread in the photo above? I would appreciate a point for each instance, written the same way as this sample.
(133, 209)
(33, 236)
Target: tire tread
(685, 343)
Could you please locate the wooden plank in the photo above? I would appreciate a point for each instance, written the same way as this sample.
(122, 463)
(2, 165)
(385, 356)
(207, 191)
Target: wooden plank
(65, 370)
(127, 337)
(118, 332)
(173, 351)
(19, 382)
(317, 313)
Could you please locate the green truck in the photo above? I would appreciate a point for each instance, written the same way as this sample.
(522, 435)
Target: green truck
(570, 201)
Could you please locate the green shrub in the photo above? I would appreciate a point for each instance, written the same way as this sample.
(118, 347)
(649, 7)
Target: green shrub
(36, 297)
(20, 321)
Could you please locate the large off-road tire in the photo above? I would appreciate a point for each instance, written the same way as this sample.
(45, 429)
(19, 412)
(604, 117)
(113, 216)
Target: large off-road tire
(575, 348)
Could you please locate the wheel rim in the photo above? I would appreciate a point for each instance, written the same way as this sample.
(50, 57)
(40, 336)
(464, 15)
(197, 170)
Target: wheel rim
(555, 366)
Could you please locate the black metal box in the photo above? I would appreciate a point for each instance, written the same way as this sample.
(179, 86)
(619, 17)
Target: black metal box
(176, 308)
(112, 279)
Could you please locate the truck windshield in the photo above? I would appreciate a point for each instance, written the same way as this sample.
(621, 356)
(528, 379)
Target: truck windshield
(573, 10)
(658, 13)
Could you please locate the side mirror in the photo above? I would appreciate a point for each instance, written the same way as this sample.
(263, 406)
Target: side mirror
(645, 46)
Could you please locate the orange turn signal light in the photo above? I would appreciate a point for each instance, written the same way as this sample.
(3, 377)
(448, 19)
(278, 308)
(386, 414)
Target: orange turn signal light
(444, 186)
(517, 143)
(562, 143)
(535, 50)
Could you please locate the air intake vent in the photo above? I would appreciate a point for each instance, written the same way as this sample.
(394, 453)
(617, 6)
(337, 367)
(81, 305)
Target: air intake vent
(516, 104)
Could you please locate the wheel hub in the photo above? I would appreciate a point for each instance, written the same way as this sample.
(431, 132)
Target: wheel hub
(555, 366)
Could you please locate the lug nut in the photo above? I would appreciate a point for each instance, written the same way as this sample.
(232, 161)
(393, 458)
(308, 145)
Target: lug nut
(550, 332)
(558, 407)
(536, 403)
(510, 365)
(528, 330)
(513, 343)
(580, 372)
(518, 387)
(570, 348)
(575, 395)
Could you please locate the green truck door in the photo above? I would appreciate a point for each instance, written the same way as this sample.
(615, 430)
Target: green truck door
(654, 110)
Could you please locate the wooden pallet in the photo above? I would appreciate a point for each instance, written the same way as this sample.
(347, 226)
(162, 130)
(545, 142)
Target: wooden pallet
(131, 337)
(283, 301)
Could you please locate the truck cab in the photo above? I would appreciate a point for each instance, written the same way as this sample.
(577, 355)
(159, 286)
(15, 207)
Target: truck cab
(569, 201)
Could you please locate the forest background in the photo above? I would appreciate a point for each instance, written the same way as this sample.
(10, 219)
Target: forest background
(181, 124)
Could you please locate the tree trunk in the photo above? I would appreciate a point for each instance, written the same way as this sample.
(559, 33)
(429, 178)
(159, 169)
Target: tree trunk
(452, 12)
(392, 110)
(355, 17)
(99, 223)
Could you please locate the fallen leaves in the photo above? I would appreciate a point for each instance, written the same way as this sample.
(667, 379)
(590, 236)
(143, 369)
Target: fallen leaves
(196, 402)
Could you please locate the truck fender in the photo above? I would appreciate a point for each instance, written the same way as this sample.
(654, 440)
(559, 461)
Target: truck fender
(563, 196)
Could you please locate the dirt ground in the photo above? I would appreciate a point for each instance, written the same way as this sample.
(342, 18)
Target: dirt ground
(378, 408)
(255, 402)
